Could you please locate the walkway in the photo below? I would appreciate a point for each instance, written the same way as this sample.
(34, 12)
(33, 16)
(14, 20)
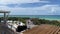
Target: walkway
(44, 29)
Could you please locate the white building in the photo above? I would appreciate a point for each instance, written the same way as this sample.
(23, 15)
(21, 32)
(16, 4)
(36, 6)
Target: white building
(29, 24)
(14, 25)
(21, 24)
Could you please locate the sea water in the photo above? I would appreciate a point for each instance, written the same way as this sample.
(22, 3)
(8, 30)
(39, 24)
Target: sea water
(47, 17)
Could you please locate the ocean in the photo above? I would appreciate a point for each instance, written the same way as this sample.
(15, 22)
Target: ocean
(47, 17)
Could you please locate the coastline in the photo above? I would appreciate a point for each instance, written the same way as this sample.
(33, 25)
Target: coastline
(46, 17)
(50, 19)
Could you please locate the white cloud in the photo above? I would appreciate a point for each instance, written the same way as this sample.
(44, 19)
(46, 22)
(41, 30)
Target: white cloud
(17, 1)
(51, 8)
(46, 9)
(20, 1)
(44, 1)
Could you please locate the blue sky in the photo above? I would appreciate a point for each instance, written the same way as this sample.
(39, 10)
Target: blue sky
(31, 7)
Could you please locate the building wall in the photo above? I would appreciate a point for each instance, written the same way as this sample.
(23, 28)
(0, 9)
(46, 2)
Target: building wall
(29, 24)
(6, 30)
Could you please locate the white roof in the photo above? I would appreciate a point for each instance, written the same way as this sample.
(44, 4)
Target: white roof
(4, 11)
(21, 24)
(9, 21)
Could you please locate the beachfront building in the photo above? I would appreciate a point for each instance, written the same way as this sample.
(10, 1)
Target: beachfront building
(14, 24)
(29, 24)
(3, 25)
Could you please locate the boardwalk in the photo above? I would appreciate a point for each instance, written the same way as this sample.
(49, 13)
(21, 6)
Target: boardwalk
(44, 29)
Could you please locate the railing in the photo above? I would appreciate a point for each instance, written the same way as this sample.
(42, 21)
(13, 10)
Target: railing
(10, 29)
(11, 26)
